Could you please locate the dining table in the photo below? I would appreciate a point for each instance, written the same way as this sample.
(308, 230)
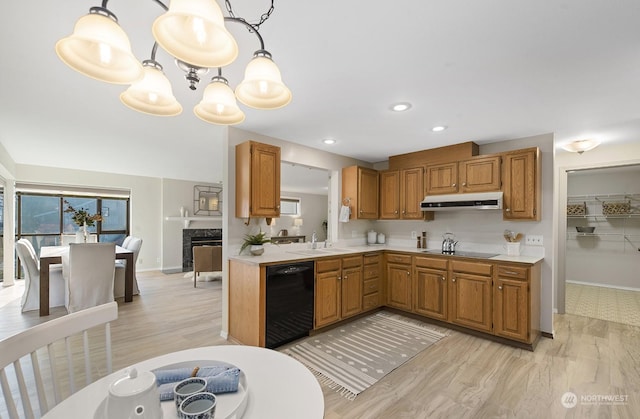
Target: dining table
(272, 386)
(51, 255)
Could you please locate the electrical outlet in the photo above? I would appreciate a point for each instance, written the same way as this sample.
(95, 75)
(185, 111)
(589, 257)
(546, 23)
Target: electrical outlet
(414, 234)
(533, 240)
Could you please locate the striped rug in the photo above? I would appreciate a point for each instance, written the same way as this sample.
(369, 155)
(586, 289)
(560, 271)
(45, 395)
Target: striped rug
(354, 356)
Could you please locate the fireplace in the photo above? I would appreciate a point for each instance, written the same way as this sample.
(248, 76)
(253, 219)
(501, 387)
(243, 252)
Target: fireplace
(198, 237)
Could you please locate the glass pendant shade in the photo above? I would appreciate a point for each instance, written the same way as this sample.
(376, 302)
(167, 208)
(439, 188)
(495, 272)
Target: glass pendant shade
(218, 104)
(152, 95)
(193, 31)
(580, 146)
(262, 87)
(100, 49)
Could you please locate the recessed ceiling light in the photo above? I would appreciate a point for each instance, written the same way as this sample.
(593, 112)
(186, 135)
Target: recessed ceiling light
(329, 141)
(438, 128)
(401, 107)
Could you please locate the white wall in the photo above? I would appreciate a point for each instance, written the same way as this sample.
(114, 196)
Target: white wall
(7, 169)
(606, 155)
(610, 258)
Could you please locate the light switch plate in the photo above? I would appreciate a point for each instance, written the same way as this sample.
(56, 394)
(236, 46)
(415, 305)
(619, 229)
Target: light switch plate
(533, 240)
(414, 234)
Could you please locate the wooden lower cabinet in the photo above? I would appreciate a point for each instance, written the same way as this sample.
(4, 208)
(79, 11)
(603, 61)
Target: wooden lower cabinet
(338, 292)
(371, 288)
(430, 288)
(516, 297)
(470, 291)
(398, 269)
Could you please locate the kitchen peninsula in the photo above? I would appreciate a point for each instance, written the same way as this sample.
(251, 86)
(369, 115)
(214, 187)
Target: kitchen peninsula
(496, 297)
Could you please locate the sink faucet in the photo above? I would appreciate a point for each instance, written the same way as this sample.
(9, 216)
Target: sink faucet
(314, 240)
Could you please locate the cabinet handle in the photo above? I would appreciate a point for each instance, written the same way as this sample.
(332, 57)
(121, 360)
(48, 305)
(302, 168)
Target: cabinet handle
(346, 277)
(453, 279)
(464, 183)
(339, 278)
(507, 210)
(404, 212)
(408, 273)
(453, 184)
(442, 278)
(395, 212)
(510, 273)
(363, 211)
(500, 287)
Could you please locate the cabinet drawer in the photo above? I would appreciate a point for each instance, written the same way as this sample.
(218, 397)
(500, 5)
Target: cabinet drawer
(371, 301)
(371, 272)
(352, 262)
(327, 265)
(371, 259)
(435, 263)
(398, 258)
(371, 286)
(472, 267)
(517, 272)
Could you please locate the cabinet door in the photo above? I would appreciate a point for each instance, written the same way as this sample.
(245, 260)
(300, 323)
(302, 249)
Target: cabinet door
(265, 180)
(411, 193)
(351, 287)
(521, 186)
(511, 310)
(471, 301)
(327, 309)
(480, 175)
(399, 286)
(430, 293)
(389, 195)
(442, 178)
(367, 193)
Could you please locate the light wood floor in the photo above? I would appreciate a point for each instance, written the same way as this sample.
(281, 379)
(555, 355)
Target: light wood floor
(458, 377)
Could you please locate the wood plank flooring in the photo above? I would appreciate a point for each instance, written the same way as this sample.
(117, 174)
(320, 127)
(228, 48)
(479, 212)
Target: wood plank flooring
(459, 377)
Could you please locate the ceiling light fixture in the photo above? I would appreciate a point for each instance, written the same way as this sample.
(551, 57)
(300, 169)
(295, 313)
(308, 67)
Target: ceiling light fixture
(329, 141)
(438, 128)
(193, 32)
(580, 146)
(401, 107)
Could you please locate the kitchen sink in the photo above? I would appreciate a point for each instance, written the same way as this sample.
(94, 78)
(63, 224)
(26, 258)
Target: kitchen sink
(319, 252)
(462, 253)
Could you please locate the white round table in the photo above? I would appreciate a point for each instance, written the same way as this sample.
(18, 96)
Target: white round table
(279, 387)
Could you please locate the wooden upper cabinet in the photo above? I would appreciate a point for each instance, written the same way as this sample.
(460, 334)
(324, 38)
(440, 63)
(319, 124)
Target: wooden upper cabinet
(360, 192)
(442, 178)
(480, 175)
(390, 195)
(400, 194)
(522, 183)
(257, 180)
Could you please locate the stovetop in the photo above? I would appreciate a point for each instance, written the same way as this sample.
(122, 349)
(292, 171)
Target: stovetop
(462, 253)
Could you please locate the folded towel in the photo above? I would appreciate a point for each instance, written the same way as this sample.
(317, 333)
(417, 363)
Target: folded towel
(221, 378)
(344, 214)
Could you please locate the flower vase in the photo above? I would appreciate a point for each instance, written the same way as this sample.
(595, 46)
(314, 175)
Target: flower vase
(256, 249)
(85, 232)
(82, 234)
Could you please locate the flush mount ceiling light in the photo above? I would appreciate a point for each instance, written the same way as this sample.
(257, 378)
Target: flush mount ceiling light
(194, 34)
(401, 107)
(329, 141)
(580, 146)
(438, 128)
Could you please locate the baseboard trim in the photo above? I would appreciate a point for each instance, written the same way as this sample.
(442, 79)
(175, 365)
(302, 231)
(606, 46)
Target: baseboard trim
(547, 335)
(595, 284)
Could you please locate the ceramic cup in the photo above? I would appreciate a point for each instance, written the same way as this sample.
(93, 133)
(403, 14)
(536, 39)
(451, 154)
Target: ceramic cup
(198, 406)
(188, 387)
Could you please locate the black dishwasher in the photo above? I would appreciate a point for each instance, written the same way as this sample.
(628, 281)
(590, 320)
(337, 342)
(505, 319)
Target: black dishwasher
(289, 302)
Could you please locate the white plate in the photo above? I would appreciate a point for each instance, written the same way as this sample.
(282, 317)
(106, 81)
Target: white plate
(228, 405)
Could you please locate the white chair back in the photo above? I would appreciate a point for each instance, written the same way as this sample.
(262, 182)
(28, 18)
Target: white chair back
(89, 270)
(134, 244)
(38, 383)
(31, 267)
(65, 239)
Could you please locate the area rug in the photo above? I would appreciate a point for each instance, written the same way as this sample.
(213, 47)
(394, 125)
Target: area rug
(354, 356)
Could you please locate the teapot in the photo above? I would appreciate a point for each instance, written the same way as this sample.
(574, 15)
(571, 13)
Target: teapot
(448, 243)
(134, 396)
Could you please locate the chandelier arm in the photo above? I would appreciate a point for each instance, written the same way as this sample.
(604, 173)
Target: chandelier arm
(104, 3)
(252, 28)
(154, 50)
(161, 4)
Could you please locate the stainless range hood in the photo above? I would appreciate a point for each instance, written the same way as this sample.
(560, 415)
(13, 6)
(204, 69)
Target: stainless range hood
(454, 202)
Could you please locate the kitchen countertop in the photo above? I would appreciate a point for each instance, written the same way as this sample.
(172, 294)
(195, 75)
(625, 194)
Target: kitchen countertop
(271, 256)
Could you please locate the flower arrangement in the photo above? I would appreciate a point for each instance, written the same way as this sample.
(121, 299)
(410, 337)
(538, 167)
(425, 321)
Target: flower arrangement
(254, 239)
(81, 216)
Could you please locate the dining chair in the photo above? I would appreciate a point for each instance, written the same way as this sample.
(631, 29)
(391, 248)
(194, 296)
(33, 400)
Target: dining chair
(56, 362)
(88, 270)
(134, 244)
(31, 267)
(206, 259)
(65, 239)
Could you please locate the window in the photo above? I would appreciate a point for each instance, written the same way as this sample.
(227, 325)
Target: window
(290, 206)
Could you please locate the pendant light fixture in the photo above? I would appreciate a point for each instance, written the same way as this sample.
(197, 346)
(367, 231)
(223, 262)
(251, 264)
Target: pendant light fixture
(193, 32)
(580, 146)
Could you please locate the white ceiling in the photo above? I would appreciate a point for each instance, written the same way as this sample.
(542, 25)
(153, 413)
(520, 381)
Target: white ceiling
(490, 70)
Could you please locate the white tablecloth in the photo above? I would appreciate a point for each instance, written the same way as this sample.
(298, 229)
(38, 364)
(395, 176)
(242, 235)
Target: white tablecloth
(279, 386)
